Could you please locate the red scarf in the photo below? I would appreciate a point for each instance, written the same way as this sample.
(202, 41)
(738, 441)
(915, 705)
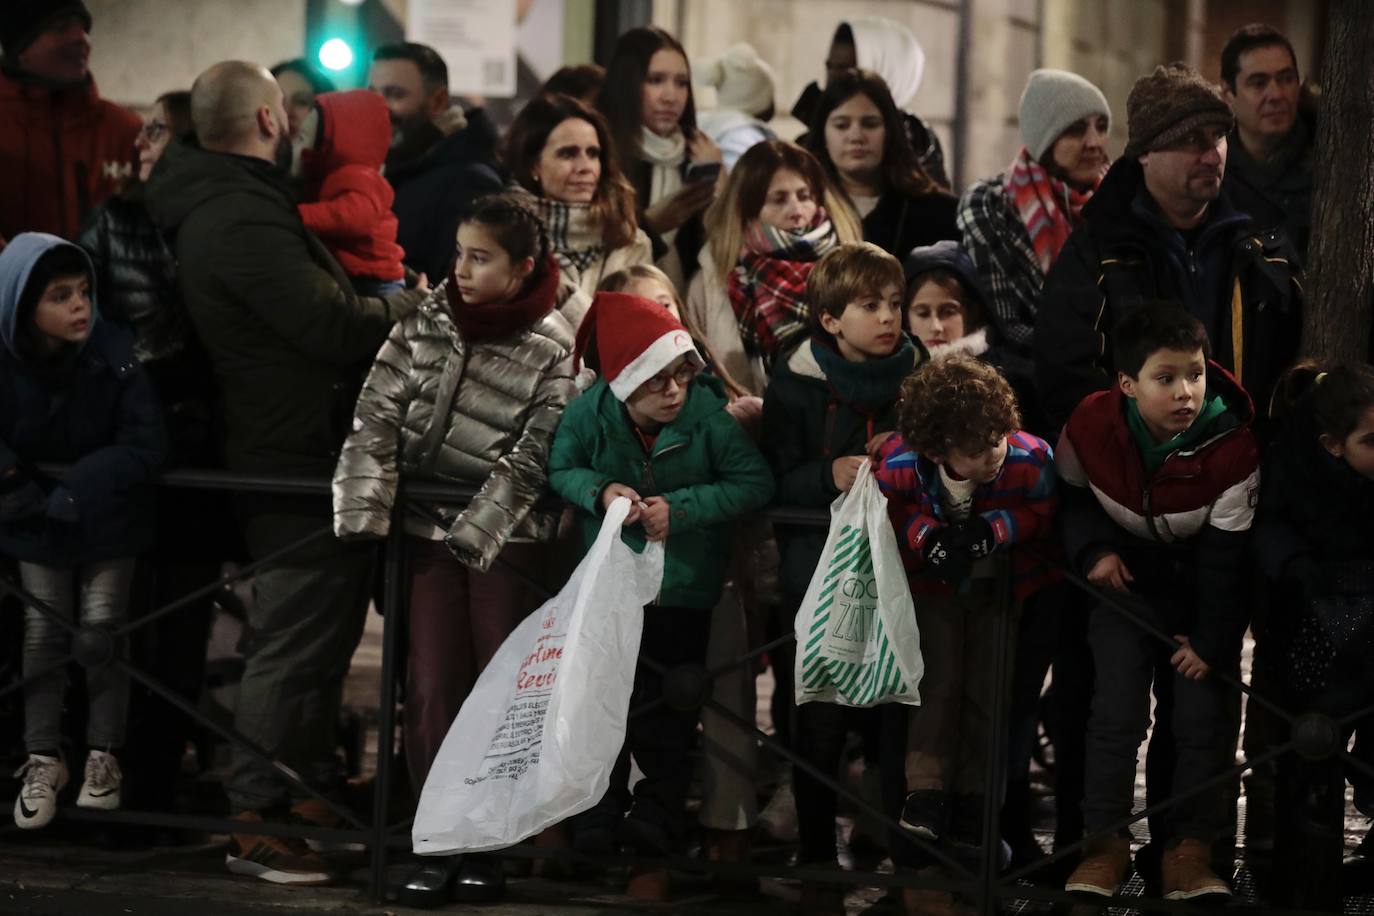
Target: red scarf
(501, 319)
(1049, 208)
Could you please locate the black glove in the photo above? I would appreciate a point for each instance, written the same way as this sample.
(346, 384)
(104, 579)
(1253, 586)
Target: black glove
(976, 537)
(944, 556)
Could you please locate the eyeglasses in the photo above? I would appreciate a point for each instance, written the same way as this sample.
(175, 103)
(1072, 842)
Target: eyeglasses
(683, 377)
(152, 131)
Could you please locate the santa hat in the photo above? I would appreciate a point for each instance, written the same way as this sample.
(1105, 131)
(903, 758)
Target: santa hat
(634, 339)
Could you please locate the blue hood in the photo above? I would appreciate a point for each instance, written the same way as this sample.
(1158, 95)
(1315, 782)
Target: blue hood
(16, 264)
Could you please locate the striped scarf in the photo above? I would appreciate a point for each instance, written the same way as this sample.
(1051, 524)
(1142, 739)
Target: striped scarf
(768, 284)
(1049, 208)
(574, 231)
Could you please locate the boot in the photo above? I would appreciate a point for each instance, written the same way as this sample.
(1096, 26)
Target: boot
(1186, 872)
(1105, 865)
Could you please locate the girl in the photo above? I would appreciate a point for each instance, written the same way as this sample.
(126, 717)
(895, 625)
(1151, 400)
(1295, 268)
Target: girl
(674, 167)
(778, 215)
(858, 136)
(467, 390)
(1014, 224)
(561, 155)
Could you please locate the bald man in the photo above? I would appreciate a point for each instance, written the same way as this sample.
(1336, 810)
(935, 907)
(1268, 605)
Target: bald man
(289, 340)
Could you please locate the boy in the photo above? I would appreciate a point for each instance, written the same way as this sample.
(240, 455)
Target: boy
(653, 429)
(1161, 474)
(965, 486)
(827, 407)
(71, 393)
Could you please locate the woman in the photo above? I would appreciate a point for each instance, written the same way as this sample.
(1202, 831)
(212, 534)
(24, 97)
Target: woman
(857, 134)
(778, 215)
(300, 83)
(674, 167)
(1015, 223)
(560, 153)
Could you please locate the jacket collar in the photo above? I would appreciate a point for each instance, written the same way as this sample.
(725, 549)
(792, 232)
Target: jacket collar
(705, 398)
(1122, 209)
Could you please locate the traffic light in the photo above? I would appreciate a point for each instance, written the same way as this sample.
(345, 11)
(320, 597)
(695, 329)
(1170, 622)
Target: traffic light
(336, 55)
(340, 36)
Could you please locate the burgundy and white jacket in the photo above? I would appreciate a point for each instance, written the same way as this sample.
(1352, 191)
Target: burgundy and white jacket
(1182, 530)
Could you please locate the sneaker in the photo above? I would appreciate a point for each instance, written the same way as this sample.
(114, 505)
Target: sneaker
(314, 813)
(1187, 874)
(280, 860)
(924, 813)
(100, 787)
(43, 778)
(1105, 865)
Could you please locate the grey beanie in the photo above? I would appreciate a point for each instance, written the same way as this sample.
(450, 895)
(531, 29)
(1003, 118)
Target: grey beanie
(1052, 101)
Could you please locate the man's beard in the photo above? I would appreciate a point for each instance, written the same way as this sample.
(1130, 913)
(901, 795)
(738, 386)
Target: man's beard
(410, 138)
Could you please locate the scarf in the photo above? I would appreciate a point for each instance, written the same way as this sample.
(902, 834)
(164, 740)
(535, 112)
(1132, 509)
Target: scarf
(1153, 453)
(501, 319)
(574, 231)
(871, 385)
(665, 155)
(767, 286)
(1049, 208)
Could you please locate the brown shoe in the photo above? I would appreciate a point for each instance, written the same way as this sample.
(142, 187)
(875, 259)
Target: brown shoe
(280, 860)
(649, 885)
(1187, 872)
(314, 813)
(1105, 865)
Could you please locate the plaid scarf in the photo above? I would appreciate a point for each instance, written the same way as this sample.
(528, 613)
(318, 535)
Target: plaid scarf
(768, 284)
(573, 229)
(1049, 208)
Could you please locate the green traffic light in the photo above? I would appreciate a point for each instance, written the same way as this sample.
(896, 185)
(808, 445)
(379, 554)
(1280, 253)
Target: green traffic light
(335, 54)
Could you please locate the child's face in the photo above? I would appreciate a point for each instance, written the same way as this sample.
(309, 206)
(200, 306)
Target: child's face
(935, 314)
(655, 291)
(1357, 449)
(484, 270)
(869, 327)
(658, 401)
(979, 465)
(1169, 391)
(63, 314)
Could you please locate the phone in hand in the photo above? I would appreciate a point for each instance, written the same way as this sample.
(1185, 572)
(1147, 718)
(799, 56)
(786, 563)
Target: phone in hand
(695, 172)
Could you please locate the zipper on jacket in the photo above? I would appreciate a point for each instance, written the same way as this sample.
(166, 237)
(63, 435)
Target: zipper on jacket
(1145, 500)
(647, 482)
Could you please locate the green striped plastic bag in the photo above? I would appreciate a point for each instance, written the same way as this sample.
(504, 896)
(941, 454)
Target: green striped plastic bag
(857, 641)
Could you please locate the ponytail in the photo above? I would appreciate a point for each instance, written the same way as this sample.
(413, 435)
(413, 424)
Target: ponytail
(1335, 397)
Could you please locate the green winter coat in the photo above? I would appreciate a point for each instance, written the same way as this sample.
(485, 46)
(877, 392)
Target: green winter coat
(704, 464)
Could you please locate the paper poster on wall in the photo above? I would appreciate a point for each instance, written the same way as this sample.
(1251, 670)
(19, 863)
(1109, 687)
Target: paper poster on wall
(476, 38)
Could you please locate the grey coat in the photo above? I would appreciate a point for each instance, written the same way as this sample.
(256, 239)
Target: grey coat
(507, 396)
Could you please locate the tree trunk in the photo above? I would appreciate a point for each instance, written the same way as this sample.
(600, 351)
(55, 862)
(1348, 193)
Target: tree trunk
(1340, 272)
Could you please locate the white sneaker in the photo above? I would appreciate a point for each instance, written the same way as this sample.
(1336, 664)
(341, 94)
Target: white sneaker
(100, 788)
(43, 778)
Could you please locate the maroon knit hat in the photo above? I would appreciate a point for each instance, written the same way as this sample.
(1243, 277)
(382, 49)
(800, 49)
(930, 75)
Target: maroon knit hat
(21, 21)
(1167, 105)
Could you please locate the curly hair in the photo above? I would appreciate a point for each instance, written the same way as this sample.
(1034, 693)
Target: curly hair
(957, 401)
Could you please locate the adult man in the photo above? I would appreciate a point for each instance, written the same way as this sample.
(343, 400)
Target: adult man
(441, 158)
(286, 335)
(1269, 175)
(1161, 227)
(63, 149)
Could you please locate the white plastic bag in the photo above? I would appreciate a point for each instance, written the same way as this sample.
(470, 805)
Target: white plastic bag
(857, 641)
(536, 740)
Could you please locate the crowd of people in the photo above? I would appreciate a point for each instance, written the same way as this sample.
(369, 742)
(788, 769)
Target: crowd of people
(1082, 364)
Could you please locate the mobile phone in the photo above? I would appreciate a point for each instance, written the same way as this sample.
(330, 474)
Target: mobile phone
(701, 171)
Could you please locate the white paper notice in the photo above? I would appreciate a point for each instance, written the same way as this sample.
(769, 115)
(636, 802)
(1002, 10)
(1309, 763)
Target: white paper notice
(476, 38)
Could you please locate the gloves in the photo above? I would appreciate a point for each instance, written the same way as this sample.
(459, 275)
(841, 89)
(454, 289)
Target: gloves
(976, 537)
(944, 556)
(62, 506)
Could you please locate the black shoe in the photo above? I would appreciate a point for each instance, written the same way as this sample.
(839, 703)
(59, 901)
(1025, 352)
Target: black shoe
(594, 838)
(481, 879)
(431, 884)
(924, 813)
(644, 837)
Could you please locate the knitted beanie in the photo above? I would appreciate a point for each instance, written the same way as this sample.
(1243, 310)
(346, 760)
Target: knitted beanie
(742, 80)
(1167, 105)
(633, 338)
(1053, 101)
(21, 21)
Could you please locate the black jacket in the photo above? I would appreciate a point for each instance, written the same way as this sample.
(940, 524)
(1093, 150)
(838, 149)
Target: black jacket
(1277, 192)
(437, 188)
(1234, 278)
(900, 223)
(691, 235)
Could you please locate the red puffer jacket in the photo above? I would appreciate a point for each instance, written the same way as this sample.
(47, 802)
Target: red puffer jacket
(62, 152)
(351, 210)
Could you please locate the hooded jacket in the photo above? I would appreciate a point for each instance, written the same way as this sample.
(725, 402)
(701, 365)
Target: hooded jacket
(1240, 280)
(350, 201)
(95, 411)
(703, 463)
(62, 152)
(288, 337)
(1186, 525)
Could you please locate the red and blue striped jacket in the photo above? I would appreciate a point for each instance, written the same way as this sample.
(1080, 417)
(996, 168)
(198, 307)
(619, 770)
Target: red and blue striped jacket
(1019, 504)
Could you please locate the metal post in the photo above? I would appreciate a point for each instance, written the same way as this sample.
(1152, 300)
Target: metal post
(386, 713)
(1003, 638)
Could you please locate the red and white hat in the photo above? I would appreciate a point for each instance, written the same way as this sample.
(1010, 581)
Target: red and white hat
(635, 339)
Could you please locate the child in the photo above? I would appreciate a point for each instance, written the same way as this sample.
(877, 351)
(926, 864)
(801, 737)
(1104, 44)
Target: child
(348, 202)
(966, 488)
(1162, 478)
(655, 430)
(71, 393)
(830, 402)
(468, 390)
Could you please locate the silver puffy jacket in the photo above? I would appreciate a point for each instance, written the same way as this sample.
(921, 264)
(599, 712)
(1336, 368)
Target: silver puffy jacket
(506, 395)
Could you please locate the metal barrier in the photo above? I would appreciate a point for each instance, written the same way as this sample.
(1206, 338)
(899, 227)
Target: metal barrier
(1315, 736)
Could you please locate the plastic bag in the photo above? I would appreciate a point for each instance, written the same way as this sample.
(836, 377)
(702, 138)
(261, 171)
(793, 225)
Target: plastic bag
(857, 640)
(536, 740)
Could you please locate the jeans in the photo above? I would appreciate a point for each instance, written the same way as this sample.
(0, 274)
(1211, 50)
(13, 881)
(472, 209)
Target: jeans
(100, 591)
(371, 286)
